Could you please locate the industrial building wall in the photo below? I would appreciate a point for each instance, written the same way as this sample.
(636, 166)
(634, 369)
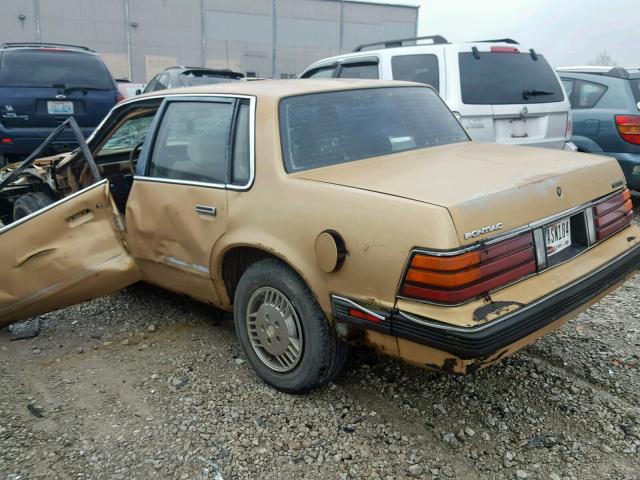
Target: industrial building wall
(265, 38)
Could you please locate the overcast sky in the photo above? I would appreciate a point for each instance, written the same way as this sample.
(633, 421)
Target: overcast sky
(567, 32)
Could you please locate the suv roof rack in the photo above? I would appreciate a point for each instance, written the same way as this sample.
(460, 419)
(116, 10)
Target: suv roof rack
(43, 45)
(498, 40)
(435, 40)
(607, 71)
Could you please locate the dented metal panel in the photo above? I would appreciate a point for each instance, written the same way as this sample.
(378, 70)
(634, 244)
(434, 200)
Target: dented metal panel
(62, 255)
(171, 239)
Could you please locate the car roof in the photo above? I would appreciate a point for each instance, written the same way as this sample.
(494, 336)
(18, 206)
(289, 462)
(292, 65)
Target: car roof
(481, 45)
(276, 89)
(609, 71)
(185, 68)
(63, 47)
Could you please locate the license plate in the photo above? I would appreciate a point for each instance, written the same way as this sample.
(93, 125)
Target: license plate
(558, 236)
(60, 108)
(519, 129)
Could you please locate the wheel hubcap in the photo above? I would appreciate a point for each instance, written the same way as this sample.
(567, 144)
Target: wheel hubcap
(274, 329)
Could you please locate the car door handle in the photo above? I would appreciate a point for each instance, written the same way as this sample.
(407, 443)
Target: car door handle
(206, 210)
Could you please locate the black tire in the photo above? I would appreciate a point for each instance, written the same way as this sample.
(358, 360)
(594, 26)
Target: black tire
(322, 354)
(29, 203)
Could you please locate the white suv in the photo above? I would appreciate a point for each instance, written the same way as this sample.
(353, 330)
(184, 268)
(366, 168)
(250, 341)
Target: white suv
(500, 91)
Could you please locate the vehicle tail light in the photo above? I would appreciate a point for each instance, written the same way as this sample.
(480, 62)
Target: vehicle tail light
(456, 278)
(569, 130)
(120, 98)
(7, 141)
(629, 128)
(613, 214)
(504, 50)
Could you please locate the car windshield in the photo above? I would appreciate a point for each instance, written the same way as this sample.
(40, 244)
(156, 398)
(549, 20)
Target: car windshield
(501, 78)
(329, 128)
(192, 79)
(131, 133)
(46, 68)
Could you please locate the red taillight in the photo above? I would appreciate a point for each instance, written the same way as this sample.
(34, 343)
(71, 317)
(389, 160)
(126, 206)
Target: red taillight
(613, 214)
(7, 141)
(456, 278)
(120, 98)
(504, 50)
(569, 128)
(629, 128)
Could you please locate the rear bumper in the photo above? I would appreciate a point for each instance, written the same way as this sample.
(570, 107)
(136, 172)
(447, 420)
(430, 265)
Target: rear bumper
(26, 140)
(484, 340)
(554, 143)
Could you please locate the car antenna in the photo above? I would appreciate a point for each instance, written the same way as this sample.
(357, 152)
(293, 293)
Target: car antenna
(533, 53)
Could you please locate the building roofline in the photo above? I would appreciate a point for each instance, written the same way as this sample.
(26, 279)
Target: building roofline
(384, 4)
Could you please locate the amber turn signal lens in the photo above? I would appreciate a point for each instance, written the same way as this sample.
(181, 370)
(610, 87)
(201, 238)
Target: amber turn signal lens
(447, 264)
(455, 278)
(446, 280)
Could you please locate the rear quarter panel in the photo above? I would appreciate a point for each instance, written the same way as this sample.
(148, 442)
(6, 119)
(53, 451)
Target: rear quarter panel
(284, 215)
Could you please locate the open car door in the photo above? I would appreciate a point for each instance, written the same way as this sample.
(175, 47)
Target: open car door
(68, 252)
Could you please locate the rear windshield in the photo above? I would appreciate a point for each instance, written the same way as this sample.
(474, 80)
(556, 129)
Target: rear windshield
(191, 79)
(322, 129)
(46, 68)
(507, 78)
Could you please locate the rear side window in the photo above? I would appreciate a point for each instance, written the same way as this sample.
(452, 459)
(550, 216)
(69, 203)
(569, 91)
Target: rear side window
(507, 78)
(635, 87)
(192, 142)
(588, 94)
(568, 84)
(359, 70)
(417, 68)
(329, 128)
(46, 68)
(321, 72)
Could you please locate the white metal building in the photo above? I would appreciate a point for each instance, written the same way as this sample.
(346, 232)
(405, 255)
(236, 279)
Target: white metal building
(265, 38)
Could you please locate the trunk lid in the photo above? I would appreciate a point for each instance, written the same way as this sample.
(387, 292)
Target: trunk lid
(482, 184)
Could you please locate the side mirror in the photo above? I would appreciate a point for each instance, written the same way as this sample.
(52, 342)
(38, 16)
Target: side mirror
(138, 91)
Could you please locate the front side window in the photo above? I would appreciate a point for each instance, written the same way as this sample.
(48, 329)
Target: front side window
(588, 94)
(328, 128)
(498, 78)
(366, 70)
(192, 142)
(422, 68)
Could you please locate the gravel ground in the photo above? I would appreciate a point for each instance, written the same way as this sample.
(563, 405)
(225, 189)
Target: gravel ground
(145, 384)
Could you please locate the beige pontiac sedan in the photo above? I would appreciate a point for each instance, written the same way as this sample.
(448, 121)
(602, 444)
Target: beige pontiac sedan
(323, 213)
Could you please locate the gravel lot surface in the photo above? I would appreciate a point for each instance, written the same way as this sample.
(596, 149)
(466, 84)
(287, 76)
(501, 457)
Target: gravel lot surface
(144, 384)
